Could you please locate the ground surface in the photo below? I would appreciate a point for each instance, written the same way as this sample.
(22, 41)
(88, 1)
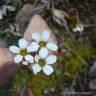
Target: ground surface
(76, 66)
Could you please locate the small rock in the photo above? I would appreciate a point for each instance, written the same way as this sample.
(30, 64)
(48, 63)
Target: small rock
(7, 67)
(37, 24)
(24, 14)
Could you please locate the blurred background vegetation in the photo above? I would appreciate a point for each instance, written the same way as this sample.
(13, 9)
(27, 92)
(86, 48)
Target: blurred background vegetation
(76, 66)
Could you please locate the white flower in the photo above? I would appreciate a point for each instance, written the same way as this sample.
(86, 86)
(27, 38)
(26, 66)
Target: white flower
(78, 28)
(41, 41)
(44, 62)
(22, 52)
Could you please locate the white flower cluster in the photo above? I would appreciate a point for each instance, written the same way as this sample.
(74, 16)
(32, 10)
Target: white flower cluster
(78, 28)
(36, 53)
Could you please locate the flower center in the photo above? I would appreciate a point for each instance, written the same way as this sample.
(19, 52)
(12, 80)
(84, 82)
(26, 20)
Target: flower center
(42, 44)
(23, 52)
(41, 62)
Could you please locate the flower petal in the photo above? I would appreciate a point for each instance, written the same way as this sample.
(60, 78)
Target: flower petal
(74, 30)
(79, 28)
(52, 46)
(51, 59)
(22, 43)
(14, 49)
(33, 47)
(47, 69)
(46, 35)
(36, 58)
(18, 58)
(29, 58)
(25, 63)
(36, 36)
(43, 53)
(36, 68)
